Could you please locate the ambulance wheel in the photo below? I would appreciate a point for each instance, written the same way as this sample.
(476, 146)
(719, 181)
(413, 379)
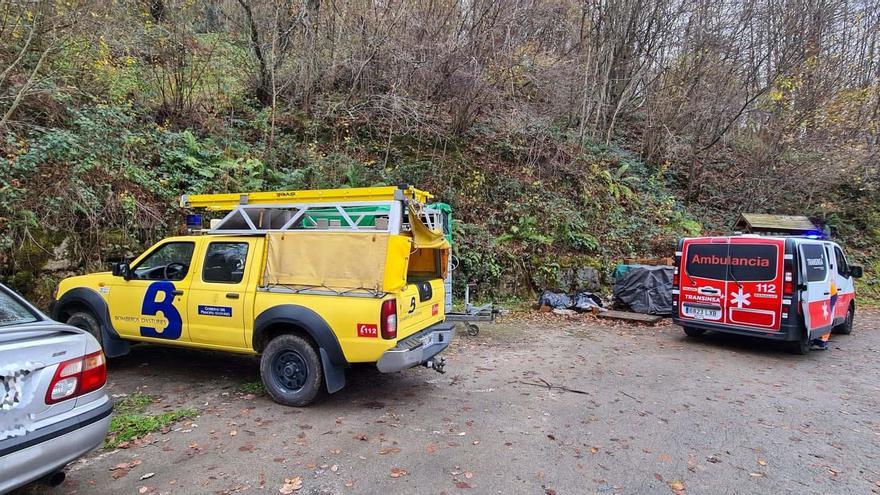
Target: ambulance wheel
(694, 332)
(291, 370)
(86, 321)
(802, 346)
(845, 328)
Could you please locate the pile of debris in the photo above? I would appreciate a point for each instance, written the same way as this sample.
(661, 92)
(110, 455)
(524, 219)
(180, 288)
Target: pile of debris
(565, 304)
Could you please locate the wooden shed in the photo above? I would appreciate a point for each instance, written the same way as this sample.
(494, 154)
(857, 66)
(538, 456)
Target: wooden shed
(761, 223)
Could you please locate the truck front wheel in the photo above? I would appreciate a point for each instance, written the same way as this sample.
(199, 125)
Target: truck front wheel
(291, 370)
(86, 321)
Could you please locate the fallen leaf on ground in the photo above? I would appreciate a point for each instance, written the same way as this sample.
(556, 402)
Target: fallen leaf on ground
(594, 450)
(675, 485)
(462, 485)
(148, 476)
(762, 462)
(468, 474)
(398, 472)
(389, 450)
(349, 483)
(334, 468)
(233, 433)
(756, 475)
(658, 477)
(431, 448)
(291, 485)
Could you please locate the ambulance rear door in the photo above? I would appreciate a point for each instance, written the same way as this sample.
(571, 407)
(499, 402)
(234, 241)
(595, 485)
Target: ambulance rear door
(815, 286)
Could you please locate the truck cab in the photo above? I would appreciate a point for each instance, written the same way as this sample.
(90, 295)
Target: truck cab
(313, 281)
(789, 288)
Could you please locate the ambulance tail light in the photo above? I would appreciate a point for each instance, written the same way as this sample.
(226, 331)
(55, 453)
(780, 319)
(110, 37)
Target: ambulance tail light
(388, 319)
(77, 377)
(788, 280)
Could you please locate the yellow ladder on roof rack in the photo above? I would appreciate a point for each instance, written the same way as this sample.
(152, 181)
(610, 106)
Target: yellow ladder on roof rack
(229, 201)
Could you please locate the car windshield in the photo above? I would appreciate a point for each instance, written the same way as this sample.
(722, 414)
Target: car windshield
(13, 312)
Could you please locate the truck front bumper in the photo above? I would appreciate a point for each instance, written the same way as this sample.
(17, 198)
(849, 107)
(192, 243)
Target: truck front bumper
(417, 349)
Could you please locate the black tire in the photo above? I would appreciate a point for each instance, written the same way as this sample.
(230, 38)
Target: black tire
(86, 321)
(291, 371)
(694, 332)
(802, 346)
(846, 327)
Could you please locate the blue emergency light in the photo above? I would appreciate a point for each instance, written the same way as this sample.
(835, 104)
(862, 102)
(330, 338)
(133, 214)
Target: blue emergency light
(193, 222)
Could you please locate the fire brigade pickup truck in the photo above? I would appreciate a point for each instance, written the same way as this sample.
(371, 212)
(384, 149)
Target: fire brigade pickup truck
(792, 288)
(313, 281)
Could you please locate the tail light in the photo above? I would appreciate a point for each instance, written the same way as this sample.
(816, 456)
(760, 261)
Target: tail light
(76, 377)
(788, 280)
(675, 278)
(388, 319)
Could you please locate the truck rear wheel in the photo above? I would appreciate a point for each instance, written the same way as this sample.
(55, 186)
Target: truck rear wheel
(86, 321)
(291, 370)
(845, 328)
(693, 332)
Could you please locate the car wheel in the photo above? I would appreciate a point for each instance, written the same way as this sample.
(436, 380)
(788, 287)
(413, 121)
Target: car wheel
(845, 328)
(694, 332)
(86, 321)
(802, 346)
(291, 370)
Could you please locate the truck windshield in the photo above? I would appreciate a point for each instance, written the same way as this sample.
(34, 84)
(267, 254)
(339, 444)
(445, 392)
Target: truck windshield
(743, 262)
(13, 312)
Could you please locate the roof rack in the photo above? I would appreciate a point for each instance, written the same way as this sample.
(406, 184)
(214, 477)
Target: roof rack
(366, 209)
(229, 201)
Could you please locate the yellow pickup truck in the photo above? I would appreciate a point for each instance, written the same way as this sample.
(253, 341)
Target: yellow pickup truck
(313, 281)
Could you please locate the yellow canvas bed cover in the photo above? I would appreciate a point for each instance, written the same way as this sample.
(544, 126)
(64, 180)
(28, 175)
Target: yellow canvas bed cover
(373, 261)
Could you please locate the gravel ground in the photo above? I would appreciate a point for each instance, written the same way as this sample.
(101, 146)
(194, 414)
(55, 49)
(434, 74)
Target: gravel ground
(628, 410)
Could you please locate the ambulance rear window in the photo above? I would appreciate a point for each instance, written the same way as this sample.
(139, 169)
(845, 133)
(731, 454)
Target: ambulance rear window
(742, 262)
(707, 261)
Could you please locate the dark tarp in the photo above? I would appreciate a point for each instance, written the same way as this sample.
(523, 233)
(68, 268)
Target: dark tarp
(646, 289)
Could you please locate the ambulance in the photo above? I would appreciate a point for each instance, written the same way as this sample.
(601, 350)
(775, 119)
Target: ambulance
(785, 288)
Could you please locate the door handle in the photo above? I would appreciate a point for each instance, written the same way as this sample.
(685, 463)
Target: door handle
(826, 293)
(232, 295)
(177, 292)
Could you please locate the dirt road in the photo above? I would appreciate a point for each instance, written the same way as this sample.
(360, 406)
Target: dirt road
(648, 411)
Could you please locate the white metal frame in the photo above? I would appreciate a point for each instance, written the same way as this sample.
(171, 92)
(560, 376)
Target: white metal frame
(393, 212)
(397, 221)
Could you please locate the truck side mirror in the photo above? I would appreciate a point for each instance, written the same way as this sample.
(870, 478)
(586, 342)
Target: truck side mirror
(855, 271)
(121, 269)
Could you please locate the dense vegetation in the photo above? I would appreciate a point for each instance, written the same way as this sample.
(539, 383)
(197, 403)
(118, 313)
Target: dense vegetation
(563, 134)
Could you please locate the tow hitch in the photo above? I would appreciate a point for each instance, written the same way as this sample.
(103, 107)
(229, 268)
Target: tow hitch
(436, 364)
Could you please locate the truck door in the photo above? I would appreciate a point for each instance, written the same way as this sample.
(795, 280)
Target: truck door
(219, 295)
(815, 287)
(152, 302)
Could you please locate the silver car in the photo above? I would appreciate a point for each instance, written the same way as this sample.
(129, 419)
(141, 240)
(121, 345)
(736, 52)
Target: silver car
(53, 405)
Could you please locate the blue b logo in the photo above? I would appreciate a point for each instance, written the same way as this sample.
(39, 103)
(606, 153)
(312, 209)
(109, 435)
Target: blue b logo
(151, 307)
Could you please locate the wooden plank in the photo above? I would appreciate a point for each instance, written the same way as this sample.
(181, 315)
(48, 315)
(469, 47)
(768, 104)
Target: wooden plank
(626, 315)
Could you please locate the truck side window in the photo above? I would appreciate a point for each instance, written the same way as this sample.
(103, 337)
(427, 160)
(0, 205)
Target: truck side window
(815, 262)
(224, 262)
(170, 262)
(842, 267)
